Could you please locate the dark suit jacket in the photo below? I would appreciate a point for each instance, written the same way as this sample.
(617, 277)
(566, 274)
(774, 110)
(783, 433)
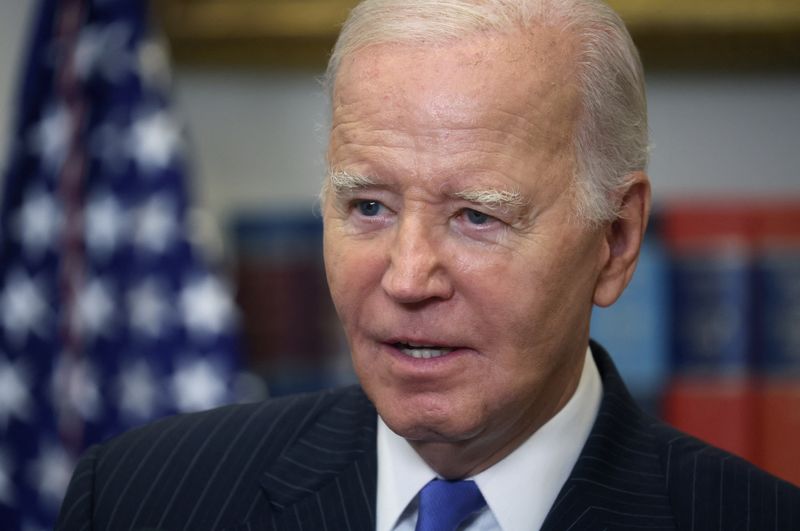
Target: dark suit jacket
(309, 462)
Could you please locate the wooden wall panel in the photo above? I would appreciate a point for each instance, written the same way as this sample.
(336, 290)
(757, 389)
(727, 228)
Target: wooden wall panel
(691, 34)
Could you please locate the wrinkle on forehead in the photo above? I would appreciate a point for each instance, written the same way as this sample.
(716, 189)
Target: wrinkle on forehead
(529, 80)
(489, 104)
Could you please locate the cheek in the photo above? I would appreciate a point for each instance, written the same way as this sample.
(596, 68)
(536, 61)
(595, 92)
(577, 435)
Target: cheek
(353, 269)
(500, 296)
(337, 266)
(478, 261)
(519, 298)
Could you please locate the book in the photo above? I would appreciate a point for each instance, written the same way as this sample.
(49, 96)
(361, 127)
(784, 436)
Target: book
(777, 337)
(711, 393)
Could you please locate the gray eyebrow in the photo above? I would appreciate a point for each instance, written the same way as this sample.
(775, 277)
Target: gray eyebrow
(341, 181)
(493, 198)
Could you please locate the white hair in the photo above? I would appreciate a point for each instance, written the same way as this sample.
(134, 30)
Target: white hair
(611, 137)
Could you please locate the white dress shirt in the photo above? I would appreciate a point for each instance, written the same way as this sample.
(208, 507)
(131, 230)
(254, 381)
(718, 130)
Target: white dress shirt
(519, 490)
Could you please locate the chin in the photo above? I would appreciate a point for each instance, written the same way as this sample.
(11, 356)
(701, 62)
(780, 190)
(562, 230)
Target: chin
(423, 433)
(428, 425)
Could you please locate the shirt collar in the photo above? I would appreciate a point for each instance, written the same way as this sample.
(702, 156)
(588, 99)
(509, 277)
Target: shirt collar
(521, 488)
(401, 475)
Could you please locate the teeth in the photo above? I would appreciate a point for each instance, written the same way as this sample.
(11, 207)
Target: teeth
(422, 351)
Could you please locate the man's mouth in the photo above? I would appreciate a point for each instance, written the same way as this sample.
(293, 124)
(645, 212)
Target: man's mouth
(422, 351)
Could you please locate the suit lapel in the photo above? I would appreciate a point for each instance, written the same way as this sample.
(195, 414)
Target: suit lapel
(618, 478)
(326, 478)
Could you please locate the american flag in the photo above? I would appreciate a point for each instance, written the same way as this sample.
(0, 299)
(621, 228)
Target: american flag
(108, 315)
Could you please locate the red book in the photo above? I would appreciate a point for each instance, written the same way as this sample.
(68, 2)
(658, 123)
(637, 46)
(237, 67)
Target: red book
(778, 338)
(780, 428)
(720, 411)
(711, 393)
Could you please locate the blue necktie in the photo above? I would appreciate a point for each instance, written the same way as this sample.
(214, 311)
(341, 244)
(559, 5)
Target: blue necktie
(443, 505)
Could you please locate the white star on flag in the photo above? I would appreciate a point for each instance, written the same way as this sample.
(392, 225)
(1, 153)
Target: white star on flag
(37, 223)
(106, 224)
(136, 391)
(23, 310)
(50, 137)
(95, 309)
(155, 140)
(196, 385)
(75, 388)
(154, 64)
(148, 309)
(49, 474)
(155, 225)
(104, 48)
(15, 396)
(206, 306)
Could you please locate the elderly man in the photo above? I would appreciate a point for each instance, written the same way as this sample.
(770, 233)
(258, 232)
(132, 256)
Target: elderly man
(486, 188)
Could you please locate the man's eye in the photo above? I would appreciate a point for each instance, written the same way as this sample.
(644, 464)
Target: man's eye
(476, 218)
(368, 208)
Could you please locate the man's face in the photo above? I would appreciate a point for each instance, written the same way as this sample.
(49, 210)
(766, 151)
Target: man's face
(458, 269)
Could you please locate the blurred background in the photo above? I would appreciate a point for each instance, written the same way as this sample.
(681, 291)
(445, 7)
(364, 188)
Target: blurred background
(707, 336)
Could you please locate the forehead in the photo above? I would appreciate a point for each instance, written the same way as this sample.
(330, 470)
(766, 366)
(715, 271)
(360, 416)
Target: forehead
(528, 80)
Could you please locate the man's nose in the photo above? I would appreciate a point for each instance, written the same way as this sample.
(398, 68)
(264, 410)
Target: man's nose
(417, 270)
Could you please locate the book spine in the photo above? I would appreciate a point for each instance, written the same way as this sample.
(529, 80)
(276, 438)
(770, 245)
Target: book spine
(777, 333)
(711, 392)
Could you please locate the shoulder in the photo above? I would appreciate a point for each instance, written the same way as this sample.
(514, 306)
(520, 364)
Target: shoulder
(238, 422)
(704, 486)
(241, 425)
(166, 466)
(714, 488)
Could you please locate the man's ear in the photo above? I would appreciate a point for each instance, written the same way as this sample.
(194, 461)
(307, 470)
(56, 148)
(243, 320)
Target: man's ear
(623, 239)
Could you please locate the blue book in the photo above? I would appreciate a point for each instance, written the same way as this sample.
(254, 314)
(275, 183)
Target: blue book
(778, 312)
(711, 316)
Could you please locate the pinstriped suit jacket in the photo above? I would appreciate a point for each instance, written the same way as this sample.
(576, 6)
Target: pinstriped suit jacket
(309, 462)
